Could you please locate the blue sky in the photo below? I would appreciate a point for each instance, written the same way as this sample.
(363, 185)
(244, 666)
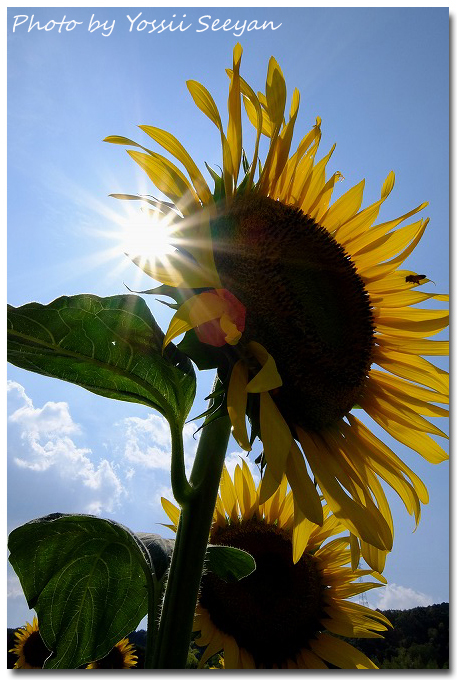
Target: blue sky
(379, 80)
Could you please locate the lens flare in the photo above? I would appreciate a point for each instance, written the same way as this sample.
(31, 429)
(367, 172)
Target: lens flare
(147, 237)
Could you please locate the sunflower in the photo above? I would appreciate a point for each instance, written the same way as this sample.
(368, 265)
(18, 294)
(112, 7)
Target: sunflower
(29, 647)
(121, 656)
(304, 308)
(284, 614)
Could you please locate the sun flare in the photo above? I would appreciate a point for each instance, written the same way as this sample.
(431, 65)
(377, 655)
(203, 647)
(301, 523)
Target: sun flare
(147, 237)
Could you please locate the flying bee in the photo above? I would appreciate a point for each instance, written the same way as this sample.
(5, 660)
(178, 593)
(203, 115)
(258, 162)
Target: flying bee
(416, 278)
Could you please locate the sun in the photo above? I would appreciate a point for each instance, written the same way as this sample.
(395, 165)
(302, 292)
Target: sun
(147, 237)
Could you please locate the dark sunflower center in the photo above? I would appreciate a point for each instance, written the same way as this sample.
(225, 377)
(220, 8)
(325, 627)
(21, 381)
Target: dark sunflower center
(305, 304)
(114, 659)
(273, 612)
(35, 651)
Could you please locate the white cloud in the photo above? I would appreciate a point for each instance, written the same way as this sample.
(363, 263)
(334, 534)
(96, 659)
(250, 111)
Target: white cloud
(148, 442)
(14, 589)
(148, 445)
(163, 491)
(45, 421)
(39, 441)
(14, 389)
(394, 596)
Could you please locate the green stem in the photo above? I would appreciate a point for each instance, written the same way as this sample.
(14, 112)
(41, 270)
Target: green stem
(186, 568)
(152, 616)
(182, 490)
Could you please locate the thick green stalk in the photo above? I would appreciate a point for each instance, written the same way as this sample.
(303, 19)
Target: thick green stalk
(182, 490)
(153, 595)
(186, 567)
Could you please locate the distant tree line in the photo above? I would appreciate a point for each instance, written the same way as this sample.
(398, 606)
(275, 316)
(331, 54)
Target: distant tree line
(419, 639)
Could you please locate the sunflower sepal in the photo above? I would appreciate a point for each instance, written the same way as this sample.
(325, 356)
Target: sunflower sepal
(219, 187)
(179, 295)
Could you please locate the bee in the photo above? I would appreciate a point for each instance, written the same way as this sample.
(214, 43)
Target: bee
(415, 278)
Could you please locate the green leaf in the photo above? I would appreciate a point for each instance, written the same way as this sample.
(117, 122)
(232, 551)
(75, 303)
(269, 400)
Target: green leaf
(160, 551)
(229, 564)
(86, 579)
(111, 346)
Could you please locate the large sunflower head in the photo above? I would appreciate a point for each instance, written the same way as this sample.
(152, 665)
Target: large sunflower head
(122, 655)
(304, 307)
(29, 647)
(285, 613)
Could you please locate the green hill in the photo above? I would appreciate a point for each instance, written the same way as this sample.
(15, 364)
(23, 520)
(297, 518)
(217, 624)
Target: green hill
(419, 639)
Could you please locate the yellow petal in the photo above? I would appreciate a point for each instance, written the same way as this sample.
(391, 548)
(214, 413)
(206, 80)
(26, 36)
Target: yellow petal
(315, 183)
(415, 345)
(171, 144)
(354, 516)
(232, 334)
(168, 179)
(405, 298)
(204, 101)
(377, 448)
(379, 271)
(344, 208)
(228, 495)
(310, 660)
(300, 534)
(236, 403)
(320, 205)
(231, 653)
(385, 246)
(234, 134)
(193, 312)
(399, 399)
(268, 377)
(275, 435)
(368, 238)
(275, 93)
(303, 489)
(215, 646)
(355, 552)
(283, 146)
(376, 405)
(418, 441)
(374, 557)
(268, 486)
(339, 653)
(172, 511)
(404, 389)
(414, 368)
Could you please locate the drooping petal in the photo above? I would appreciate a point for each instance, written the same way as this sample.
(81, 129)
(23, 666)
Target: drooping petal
(236, 403)
(303, 489)
(268, 377)
(276, 436)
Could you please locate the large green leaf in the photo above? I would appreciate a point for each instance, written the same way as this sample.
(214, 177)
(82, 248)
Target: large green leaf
(87, 580)
(160, 550)
(111, 346)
